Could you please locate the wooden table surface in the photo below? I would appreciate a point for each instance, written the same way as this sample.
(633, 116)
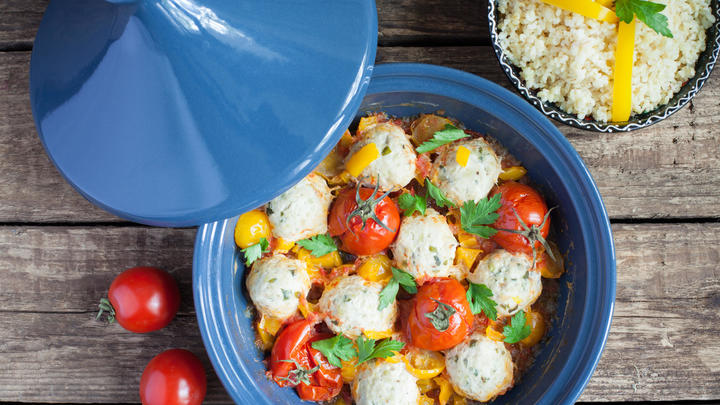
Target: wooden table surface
(58, 253)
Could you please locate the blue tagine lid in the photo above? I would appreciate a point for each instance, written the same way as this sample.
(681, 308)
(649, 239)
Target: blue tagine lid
(180, 112)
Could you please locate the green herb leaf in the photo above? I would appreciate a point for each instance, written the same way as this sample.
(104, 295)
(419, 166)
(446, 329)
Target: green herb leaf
(319, 245)
(646, 11)
(410, 203)
(254, 252)
(478, 295)
(475, 216)
(389, 292)
(405, 279)
(335, 349)
(517, 330)
(368, 350)
(437, 195)
(443, 137)
(440, 317)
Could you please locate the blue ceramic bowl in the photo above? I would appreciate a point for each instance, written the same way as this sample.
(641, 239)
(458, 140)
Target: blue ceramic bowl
(580, 227)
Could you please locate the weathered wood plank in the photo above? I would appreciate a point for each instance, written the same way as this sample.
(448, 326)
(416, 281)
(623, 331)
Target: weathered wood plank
(19, 20)
(667, 170)
(405, 21)
(662, 346)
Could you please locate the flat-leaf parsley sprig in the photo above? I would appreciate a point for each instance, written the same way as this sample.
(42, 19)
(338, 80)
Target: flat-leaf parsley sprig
(449, 134)
(410, 203)
(478, 296)
(254, 252)
(335, 349)
(474, 217)
(368, 349)
(319, 245)
(399, 279)
(646, 11)
(518, 329)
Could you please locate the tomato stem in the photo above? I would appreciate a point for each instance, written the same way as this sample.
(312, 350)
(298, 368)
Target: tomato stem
(533, 234)
(299, 374)
(106, 306)
(366, 208)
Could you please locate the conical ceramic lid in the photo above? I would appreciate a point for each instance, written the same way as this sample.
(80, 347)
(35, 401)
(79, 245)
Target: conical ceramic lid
(179, 112)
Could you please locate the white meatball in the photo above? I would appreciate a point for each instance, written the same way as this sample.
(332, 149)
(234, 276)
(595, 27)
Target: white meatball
(479, 368)
(425, 247)
(302, 211)
(276, 283)
(514, 286)
(472, 182)
(380, 382)
(350, 306)
(395, 167)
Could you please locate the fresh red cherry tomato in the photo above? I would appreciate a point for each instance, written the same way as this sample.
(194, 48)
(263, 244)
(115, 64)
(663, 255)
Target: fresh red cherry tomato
(142, 299)
(293, 357)
(173, 377)
(440, 316)
(365, 221)
(532, 211)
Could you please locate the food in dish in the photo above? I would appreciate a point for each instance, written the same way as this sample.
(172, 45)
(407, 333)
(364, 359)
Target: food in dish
(569, 59)
(429, 285)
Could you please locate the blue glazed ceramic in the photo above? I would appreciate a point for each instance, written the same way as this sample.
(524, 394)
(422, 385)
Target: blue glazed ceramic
(580, 227)
(181, 112)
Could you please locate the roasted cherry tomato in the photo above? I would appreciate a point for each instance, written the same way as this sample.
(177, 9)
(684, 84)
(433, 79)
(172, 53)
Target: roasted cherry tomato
(173, 377)
(440, 316)
(532, 211)
(142, 299)
(292, 359)
(365, 222)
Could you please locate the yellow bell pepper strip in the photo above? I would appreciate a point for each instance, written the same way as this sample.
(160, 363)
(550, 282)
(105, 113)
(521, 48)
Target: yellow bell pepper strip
(605, 3)
(346, 140)
(537, 323)
(513, 173)
(446, 390)
(462, 155)
(283, 246)
(361, 159)
(622, 76)
(492, 333)
(467, 239)
(376, 268)
(366, 122)
(250, 228)
(327, 261)
(426, 385)
(267, 328)
(424, 364)
(377, 335)
(466, 256)
(348, 370)
(587, 8)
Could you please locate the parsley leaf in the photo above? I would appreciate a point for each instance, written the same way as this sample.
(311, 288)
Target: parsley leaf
(474, 216)
(440, 317)
(646, 11)
(406, 280)
(319, 245)
(411, 203)
(478, 295)
(254, 252)
(368, 350)
(399, 279)
(437, 195)
(335, 349)
(449, 134)
(517, 330)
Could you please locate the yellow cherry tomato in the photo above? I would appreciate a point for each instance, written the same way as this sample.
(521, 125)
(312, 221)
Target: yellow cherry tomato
(424, 364)
(537, 323)
(513, 173)
(425, 385)
(251, 227)
(327, 261)
(283, 246)
(366, 122)
(548, 267)
(376, 268)
(446, 390)
(492, 334)
(395, 358)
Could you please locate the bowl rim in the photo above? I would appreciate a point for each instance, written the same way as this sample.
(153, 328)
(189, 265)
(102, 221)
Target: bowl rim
(412, 77)
(644, 120)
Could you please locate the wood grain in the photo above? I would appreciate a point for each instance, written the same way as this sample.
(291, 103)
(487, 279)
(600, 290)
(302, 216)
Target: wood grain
(399, 22)
(667, 170)
(664, 333)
